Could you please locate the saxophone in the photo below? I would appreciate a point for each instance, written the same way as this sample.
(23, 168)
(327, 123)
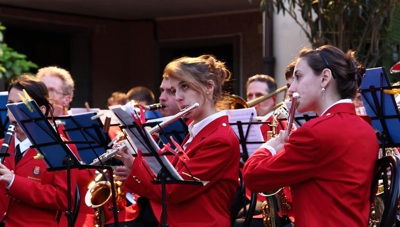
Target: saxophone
(98, 198)
(100, 191)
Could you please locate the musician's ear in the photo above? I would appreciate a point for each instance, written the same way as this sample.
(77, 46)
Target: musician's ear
(43, 109)
(66, 100)
(210, 86)
(326, 77)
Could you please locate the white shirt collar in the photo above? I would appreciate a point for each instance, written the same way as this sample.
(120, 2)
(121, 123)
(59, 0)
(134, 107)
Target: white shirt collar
(23, 145)
(194, 129)
(338, 102)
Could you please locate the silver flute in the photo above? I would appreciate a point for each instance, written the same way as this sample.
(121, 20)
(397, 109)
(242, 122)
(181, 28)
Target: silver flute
(110, 153)
(292, 112)
(175, 117)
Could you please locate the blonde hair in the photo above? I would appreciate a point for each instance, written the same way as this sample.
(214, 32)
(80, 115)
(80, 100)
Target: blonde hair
(64, 75)
(197, 71)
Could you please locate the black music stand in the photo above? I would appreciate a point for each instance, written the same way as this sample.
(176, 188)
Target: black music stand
(4, 121)
(161, 170)
(86, 132)
(247, 130)
(46, 140)
(381, 107)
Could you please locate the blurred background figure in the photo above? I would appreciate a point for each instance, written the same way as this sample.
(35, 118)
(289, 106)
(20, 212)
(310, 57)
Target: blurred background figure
(261, 85)
(167, 99)
(289, 79)
(143, 96)
(61, 87)
(117, 98)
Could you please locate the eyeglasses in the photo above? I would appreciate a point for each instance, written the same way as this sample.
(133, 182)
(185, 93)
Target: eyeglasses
(55, 92)
(325, 61)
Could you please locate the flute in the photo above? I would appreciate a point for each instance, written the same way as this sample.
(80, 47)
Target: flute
(110, 153)
(292, 112)
(175, 117)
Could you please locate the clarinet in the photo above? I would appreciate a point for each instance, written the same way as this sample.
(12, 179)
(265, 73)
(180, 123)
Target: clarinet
(7, 140)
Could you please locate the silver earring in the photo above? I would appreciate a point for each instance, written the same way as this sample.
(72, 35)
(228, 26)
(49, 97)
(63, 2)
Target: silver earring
(323, 93)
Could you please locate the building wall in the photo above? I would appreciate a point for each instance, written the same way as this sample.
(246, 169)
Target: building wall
(109, 55)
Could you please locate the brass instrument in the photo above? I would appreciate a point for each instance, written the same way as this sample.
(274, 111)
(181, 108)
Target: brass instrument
(98, 197)
(236, 102)
(100, 191)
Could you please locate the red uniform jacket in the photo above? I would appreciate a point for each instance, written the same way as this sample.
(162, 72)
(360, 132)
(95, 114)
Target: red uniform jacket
(36, 195)
(213, 156)
(328, 162)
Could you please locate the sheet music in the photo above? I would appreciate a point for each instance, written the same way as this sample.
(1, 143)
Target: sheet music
(254, 135)
(143, 141)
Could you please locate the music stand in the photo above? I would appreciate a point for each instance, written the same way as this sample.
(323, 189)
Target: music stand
(381, 107)
(246, 129)
(85, 131)
(161, 170)
(4, 121)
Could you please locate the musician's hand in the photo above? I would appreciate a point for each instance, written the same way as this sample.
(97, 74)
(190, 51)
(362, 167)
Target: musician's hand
(278, 141)
(6, 174)
(121, 173)
(126, 157)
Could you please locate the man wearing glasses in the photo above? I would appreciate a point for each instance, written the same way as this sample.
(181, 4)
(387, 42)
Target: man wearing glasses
(61, 87)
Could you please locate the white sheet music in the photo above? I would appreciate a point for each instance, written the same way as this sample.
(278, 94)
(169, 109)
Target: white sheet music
(254, 135)
(126, 115)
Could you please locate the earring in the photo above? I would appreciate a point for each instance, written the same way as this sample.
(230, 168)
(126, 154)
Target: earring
(323, 93)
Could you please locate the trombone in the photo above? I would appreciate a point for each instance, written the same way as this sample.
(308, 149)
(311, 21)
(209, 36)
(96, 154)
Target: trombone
(237, 102)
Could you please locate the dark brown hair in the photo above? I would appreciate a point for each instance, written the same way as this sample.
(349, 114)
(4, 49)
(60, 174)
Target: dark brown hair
(35, 88)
